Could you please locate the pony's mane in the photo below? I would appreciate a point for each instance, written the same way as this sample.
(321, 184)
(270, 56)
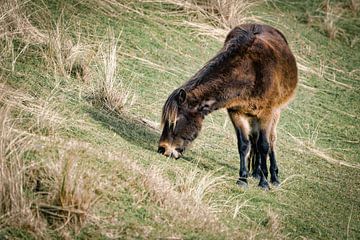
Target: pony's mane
(236, 44)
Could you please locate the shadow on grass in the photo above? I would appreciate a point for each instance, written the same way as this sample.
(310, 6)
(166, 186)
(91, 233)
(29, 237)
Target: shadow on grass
(129, 128)
(137, 133)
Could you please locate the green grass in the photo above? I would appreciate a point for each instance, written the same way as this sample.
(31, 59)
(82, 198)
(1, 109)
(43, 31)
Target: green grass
(318, 198)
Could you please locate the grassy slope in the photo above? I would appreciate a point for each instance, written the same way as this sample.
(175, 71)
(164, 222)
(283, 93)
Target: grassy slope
(318, 199)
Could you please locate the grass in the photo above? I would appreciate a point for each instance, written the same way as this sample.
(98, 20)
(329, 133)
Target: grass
(85, 170)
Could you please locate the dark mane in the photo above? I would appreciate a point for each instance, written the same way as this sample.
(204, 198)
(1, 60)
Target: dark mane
(236, 44)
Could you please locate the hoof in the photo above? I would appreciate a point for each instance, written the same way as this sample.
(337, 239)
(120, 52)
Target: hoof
(275, 183)
(242, 183)
(264, 186)
(256, 176)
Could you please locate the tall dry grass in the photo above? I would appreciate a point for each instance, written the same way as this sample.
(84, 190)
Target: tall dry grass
(15, 205)
(188, 200)
(69, 189)
(15, 23)
(109, 88)
(331, 17)
(43, 183)
(216, 17)
(68, 57)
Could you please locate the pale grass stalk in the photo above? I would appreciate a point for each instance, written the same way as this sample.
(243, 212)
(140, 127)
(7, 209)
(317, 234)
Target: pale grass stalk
(355, 5)
(238, 207)
(349, 221)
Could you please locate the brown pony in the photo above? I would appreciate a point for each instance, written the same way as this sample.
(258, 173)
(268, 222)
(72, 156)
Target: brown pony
(253, 76)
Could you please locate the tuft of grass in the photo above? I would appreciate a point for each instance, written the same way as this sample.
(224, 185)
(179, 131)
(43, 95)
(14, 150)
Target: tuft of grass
(354, 5)
(330, 19)
(230, 13)
(109, 89)
(66, 57)
(70, 194)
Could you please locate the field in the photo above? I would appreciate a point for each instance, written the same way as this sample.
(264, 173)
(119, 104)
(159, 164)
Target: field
(82, 85)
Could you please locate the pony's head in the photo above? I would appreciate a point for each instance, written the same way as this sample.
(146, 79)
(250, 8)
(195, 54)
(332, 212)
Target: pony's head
(181, 124)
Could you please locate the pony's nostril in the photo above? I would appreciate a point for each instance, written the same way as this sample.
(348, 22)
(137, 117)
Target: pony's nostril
(180, 150)
(161, 150)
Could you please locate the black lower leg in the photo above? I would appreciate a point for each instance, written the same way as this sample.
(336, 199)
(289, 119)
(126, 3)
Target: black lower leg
(273, 168)
(263, 148)
(254, 157)
(243, 147)
(256, 165)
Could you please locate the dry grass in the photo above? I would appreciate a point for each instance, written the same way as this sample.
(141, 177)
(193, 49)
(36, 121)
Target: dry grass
(15, 206)
(217, 17)
(330, 19)
(109, 88)
(187, 200)
(15, 22)
(49, 191)
(354, 5)
(69, 189)
(274, 225)
(322, 154)
(42, 116)
(66, 57)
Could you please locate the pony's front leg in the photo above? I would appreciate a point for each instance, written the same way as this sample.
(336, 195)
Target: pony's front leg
(242, 128)
(244, 148)
(254, 158)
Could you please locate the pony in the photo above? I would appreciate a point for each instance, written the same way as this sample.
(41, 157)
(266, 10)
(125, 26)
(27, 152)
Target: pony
(254, 76)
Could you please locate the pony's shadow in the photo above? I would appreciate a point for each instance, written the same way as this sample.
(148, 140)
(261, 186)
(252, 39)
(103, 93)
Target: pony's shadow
(137, 133)
(129, 128)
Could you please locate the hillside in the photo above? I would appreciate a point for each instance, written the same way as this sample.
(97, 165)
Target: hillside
(82, 85)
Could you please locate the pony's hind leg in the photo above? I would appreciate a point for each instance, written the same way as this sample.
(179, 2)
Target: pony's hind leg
(263, 147)
(273, 165)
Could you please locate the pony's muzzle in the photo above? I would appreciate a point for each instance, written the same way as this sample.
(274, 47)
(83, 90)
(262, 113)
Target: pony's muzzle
(169, 152)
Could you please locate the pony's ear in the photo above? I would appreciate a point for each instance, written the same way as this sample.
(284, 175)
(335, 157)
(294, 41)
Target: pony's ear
(181, 96)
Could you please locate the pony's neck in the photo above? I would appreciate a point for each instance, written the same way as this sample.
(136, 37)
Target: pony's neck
(207, 98)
